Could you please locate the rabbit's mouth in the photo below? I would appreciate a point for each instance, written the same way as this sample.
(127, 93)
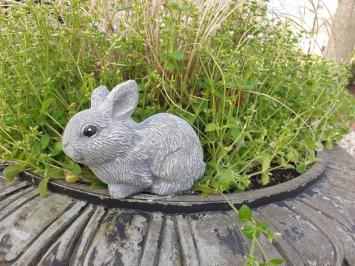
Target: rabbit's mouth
(72, 154)
(76, 157)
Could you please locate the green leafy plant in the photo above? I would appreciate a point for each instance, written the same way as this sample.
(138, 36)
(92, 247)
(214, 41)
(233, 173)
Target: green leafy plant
(253, 230)
(257, 102)
(352, 69)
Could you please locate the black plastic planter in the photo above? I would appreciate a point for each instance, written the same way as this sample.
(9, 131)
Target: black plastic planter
(315, 213)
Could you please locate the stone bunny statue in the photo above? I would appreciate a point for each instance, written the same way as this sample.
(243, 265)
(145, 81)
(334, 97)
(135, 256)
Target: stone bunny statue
(162, 154)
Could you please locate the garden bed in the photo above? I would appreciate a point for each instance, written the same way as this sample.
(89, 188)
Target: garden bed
(189, 202)
(316, 224)
(258, 104)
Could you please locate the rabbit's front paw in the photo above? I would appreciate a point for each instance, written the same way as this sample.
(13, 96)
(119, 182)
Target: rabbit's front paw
(120, 191)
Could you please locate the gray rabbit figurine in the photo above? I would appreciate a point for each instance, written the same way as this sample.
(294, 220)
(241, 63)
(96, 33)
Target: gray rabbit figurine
(162, 154)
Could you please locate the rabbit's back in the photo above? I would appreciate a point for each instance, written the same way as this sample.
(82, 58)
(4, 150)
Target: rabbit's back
(168, 132)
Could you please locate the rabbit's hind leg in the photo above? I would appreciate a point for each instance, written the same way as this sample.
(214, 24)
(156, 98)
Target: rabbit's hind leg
(120, 191)
(177, 172)
(163, 187)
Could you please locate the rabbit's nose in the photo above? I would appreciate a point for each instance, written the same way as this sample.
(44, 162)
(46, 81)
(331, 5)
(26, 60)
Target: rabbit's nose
(68, 149)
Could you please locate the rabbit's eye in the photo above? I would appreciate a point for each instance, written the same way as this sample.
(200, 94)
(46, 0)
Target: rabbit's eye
(89, 130)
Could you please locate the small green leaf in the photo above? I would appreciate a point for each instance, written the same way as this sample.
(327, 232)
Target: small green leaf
(310, 144)
(44, 141)
(75, 169)
(232, 124)
(189, 117)
(200, 106)
(301, 168)
(248, 231)
(45, 105)
(170, 66)
(57, 148)
(248, 85)
(319, 146)
(329, 144)
(43, 187)
(211, 127)
(234, 129)
(276, 261)
(177, 55)
(242, 182)
(262, 225)
(292, 155)
(235, 132)
(225, 178)
(98, 184)
(11, 171)
(287, 166)
(55, 173)
(245, 214)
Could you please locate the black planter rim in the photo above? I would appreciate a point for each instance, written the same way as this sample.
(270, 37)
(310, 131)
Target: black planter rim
(187, 203)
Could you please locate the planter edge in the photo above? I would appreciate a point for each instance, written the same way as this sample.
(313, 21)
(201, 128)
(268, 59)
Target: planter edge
(187, 203)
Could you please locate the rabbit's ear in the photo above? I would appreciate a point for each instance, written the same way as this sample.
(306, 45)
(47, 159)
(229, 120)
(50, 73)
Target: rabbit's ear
(123, 99)
(98, 96)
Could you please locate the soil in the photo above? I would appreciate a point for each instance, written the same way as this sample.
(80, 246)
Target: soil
(276, 177)
(351, 88)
